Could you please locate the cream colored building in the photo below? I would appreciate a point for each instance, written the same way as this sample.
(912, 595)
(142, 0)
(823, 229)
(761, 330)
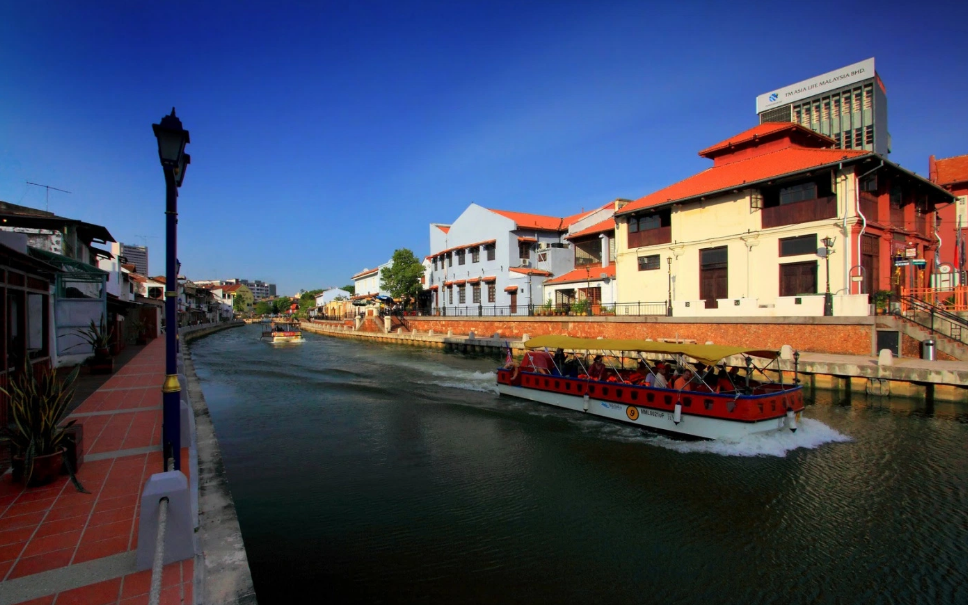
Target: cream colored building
(746, 236)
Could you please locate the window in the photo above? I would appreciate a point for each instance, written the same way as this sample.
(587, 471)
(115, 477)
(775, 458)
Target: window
(524, 249)
(450, 259)
(792, 246)
(633, 225)
(713, 275)
(491, 293)
(542, 257)
(476, 254)
(650, 263)
(461, 294)
(461, 256)
(435, 263)
(798, 193)
(450, 294)
(490, 251)
(798, 278)
(476, 293)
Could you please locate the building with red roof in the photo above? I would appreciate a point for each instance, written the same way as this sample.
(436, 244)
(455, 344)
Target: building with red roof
(496, 261)
(952, 175)
(745, 236)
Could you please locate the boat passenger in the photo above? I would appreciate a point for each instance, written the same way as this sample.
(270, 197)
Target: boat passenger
(663, 376)
(559, 359)
(597, 370)
(570, 367)
(641, 373)
(723, 383)
(684, 382)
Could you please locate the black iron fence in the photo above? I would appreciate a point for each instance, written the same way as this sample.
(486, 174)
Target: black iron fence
(578, 309)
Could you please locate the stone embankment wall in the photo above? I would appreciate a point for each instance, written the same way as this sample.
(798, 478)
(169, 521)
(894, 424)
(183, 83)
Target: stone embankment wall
(842, 336)
(194, 332)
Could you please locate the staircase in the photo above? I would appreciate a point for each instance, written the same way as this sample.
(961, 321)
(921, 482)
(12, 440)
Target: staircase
(921, 320)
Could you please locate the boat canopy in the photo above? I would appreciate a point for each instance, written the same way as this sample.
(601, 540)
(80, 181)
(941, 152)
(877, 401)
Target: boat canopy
(707, 354)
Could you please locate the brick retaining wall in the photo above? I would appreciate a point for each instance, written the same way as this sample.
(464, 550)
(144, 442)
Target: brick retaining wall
(822, 335)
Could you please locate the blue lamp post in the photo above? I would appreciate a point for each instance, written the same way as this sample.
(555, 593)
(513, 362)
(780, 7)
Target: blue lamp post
(174, 162)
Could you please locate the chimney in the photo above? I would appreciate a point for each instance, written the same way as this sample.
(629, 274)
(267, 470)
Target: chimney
(932, 170)
(621, 203)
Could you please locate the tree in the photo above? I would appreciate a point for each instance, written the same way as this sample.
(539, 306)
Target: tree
(282, 304)
(402, 278)
(263, 308)
(238, 304)
(350, 288)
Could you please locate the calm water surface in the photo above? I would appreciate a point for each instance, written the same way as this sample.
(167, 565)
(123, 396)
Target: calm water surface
(378, 474)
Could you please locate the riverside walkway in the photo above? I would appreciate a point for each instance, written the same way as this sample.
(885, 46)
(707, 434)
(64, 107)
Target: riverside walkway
(61, 546)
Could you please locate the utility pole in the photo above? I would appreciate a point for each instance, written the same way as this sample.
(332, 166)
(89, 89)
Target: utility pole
(48, 188)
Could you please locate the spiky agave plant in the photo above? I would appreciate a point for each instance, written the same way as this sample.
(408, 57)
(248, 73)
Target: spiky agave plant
(38, 404)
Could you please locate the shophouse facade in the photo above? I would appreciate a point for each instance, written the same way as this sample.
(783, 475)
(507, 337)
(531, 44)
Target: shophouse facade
(746, 237)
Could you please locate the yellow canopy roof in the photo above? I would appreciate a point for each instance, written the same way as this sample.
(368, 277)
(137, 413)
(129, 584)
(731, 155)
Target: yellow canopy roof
(707, 354)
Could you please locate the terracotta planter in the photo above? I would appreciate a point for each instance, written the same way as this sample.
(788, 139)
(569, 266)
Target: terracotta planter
(46, 468)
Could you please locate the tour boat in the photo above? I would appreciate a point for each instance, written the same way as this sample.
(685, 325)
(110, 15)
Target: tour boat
(751, 403)
(278, 332)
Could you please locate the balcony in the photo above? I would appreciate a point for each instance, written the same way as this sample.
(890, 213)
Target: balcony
(800, 212)
(650, 237)
(868, 206)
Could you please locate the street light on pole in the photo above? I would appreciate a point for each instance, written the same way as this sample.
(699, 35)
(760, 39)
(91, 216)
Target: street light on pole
(172, 139)
(828, 299)
(669, 299)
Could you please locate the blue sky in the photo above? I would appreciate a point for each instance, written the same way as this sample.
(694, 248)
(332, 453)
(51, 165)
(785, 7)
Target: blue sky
(327, 134)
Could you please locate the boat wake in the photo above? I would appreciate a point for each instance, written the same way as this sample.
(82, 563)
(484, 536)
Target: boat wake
(482, 382)
(811, 435)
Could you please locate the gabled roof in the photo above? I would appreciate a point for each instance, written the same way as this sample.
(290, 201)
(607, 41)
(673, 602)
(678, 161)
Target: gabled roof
(952, 170)
(365, 272)
(540, 222)
(12, 215)
(603, 227)
(231, 288)
(744, 173)
(580, 275)
(767, 130)
(461, 247)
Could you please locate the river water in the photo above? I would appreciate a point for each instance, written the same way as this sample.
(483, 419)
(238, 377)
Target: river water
(367, 473)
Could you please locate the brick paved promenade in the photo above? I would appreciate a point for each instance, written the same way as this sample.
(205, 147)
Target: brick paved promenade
(59, 546)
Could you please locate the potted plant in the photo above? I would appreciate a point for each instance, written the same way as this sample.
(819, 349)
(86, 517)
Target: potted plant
(99, 336)
(38, 404)
(881, 300)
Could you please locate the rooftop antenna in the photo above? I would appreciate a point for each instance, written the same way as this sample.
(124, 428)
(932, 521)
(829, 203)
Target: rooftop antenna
(48, 188)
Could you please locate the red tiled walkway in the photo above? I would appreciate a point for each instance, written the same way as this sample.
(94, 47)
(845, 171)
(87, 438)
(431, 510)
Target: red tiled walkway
(53, 527)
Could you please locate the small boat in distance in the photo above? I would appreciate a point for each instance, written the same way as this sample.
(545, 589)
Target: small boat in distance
(697, 397)
(282, 331)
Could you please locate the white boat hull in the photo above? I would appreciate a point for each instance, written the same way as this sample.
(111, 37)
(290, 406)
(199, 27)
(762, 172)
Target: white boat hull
(690, 425)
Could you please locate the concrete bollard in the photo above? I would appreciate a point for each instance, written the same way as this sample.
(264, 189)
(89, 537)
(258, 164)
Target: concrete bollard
(786, 352)
(709, 342)
(179, 533)
(450, 333)
(357, 322)
(885, 358)
(471, 336)
(496, 336)
(525, 337)
(430, 332)
(386, 324)
(399, 330)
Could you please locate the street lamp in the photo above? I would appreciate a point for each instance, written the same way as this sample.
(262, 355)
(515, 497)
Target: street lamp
(172, 139)
(828, 299)
(669, 299)
(588, 291)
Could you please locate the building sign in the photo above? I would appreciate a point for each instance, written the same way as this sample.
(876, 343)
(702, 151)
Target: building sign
(919, 262)
(816, 85)
(961, 211)
(911, 252)
(899, 262)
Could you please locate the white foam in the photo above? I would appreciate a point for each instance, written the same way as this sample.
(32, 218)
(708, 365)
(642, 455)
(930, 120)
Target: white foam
(810, 435)
(465, 386)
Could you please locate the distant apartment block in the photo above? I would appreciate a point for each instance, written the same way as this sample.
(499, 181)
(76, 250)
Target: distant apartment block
(260, 289)
(137, 256)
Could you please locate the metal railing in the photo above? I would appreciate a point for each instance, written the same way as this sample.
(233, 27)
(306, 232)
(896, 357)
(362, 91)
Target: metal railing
(933, 318)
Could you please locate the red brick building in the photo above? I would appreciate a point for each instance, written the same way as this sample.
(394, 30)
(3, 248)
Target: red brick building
(952, 175)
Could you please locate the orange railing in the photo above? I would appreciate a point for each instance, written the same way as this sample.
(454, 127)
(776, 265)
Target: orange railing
(948, 299)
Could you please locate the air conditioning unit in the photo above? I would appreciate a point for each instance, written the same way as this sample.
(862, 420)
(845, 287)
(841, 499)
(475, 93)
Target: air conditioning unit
(525, 262)
(543, 246)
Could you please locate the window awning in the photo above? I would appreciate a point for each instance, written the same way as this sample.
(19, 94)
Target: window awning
(527, 239)
(460, 282)
(489, 279)
(474, 280)
(511, 289)
(434, 287)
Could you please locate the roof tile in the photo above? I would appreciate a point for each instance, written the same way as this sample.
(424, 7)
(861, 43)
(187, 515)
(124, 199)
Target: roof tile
(952, 170)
